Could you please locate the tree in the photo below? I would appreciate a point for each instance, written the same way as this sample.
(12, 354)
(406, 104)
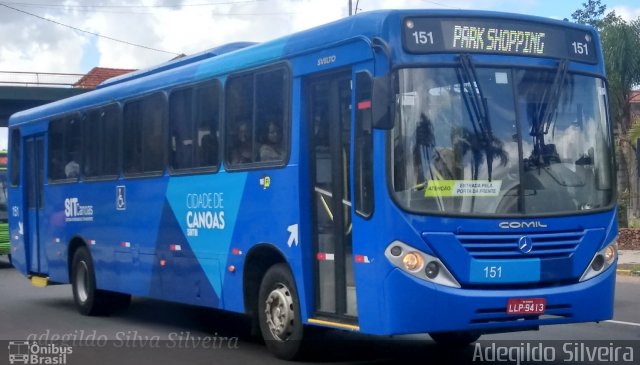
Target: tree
(621, 47)
(592, 14)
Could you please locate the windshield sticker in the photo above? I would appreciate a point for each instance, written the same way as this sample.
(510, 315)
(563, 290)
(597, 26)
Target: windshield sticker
(409, 99)
(452, 188)
(502, 78)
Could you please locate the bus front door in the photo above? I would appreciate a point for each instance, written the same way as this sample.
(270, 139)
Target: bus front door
(330, 135)
(34, 170)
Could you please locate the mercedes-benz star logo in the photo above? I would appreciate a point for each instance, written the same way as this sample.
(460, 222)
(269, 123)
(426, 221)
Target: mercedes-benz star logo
(525, 245)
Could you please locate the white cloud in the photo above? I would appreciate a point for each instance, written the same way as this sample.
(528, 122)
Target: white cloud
(627, 13)
(30, 44)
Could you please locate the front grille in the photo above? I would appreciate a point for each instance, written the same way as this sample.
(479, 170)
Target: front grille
(545, 245)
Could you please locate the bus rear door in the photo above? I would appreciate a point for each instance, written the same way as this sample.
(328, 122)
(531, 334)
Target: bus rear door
(33, 185)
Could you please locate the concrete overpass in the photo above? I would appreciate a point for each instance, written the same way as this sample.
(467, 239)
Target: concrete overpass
(24, 90)
(16, 98)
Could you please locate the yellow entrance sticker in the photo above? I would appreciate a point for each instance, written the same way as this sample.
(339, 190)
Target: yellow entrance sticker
(452, 188)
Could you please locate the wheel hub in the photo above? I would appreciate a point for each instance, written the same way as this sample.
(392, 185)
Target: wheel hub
(279, 312)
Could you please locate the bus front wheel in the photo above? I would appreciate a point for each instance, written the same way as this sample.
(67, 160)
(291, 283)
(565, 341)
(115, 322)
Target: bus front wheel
(279, 313)
(90, 300)
(460, 338)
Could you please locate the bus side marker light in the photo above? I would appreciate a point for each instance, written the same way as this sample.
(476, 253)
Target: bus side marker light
(236, 251)
(362, 259)
(173, 247)
(92, 242)
(232, 268)
(56, 240)
(125, 244)
(323, 256)
(163, 262)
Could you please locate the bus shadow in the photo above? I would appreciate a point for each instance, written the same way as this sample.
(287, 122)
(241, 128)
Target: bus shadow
(322, 345)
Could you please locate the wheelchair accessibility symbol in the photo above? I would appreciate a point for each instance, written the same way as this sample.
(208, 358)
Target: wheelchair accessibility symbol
(121, 198)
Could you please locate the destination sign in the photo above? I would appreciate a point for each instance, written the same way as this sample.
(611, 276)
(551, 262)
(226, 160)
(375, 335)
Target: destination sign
(473, 35)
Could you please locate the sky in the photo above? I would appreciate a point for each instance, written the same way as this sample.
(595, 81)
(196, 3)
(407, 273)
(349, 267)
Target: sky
(49, 36)
(162, 29)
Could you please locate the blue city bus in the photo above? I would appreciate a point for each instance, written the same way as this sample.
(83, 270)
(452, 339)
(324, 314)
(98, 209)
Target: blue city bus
(394, 172)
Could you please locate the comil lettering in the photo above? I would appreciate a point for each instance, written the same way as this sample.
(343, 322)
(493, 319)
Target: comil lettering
(516, 225)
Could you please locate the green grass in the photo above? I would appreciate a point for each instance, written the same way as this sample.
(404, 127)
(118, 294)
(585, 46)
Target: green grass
(632, 267)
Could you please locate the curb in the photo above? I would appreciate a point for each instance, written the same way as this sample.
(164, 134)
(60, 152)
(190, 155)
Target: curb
(627, 272)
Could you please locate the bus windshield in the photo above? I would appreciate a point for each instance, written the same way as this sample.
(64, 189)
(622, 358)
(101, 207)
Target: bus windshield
(501, 141)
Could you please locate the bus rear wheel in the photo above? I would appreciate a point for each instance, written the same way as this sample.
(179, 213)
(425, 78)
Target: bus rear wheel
(89, 300)
(279, 313)
(458, 339)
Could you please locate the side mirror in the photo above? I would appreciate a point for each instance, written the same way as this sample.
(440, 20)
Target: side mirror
(382, 103)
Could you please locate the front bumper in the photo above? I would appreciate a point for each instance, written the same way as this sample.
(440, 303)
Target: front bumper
(416, 306)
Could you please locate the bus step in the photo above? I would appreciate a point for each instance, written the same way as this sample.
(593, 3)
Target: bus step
(39, 281)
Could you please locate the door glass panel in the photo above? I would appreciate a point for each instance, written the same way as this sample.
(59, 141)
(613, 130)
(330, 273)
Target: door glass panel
(330, 114)
(323, 196)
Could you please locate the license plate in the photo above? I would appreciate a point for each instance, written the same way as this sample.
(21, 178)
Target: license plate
(526, 306)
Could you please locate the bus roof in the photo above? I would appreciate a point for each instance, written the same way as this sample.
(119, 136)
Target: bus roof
(243, 55)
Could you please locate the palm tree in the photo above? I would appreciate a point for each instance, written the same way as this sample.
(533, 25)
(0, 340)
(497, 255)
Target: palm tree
(464, 141)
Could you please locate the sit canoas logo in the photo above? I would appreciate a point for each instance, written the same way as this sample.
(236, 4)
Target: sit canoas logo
(76, 212)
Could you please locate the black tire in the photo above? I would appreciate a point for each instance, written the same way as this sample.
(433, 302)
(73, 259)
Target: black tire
(282, 328)
(455, 339)
(89, 300)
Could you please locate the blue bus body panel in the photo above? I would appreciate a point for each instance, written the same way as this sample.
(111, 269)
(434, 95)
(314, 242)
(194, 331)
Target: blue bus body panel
(186, 238)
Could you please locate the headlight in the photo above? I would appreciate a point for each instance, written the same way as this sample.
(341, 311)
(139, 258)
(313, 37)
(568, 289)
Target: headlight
(413, 261)
(602, 260)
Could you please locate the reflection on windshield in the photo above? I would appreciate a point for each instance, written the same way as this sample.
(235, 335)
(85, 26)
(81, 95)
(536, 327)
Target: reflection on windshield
(501, 141)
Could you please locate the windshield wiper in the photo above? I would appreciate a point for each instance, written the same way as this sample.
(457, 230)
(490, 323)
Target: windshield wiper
(476, 105)
(542, 154)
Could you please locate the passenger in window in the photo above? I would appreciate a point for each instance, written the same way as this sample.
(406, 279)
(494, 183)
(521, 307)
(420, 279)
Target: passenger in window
(72, 168)
(242, 149)
(272, 149)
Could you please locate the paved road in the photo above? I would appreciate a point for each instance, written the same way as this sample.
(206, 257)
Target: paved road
(201, 336)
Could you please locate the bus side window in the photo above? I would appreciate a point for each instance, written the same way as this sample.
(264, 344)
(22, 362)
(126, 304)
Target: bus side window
(207, 118)
(258, 109)
(65, 148)
(193, 124)
(271, 106)
(239, 128)
(144, 122)
(101, 153)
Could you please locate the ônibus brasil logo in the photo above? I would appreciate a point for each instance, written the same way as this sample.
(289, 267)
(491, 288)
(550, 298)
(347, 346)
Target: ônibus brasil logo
(34, 353)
